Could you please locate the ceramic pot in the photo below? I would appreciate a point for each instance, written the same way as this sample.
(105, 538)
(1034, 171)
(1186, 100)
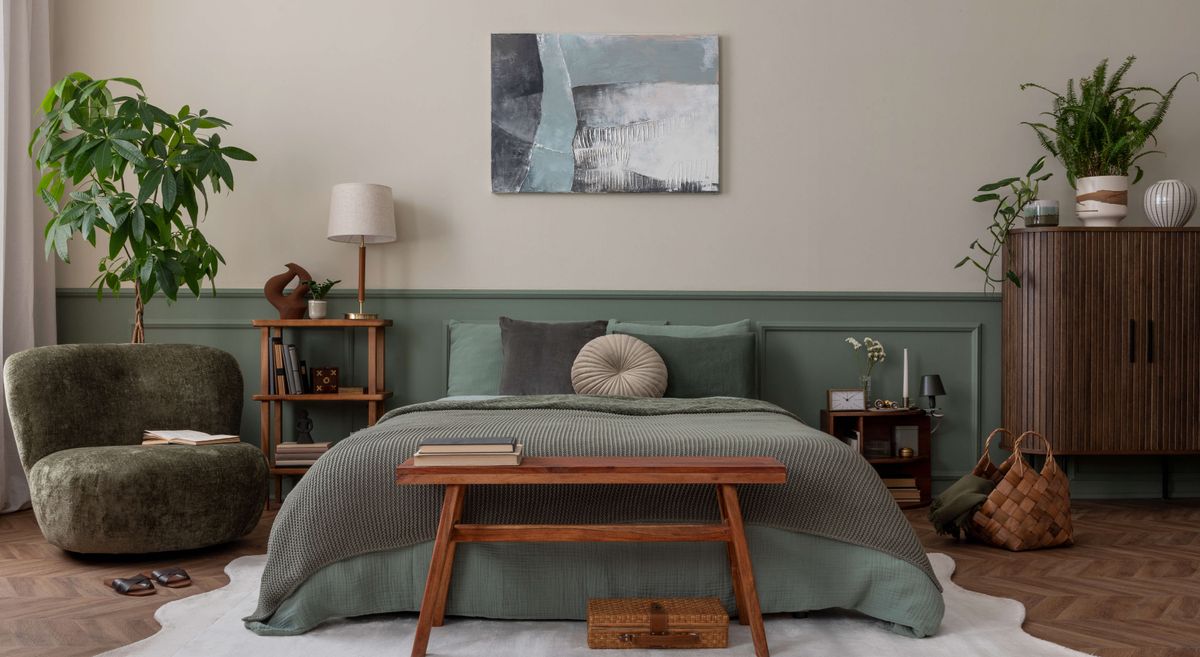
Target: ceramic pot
(1170, 203)
(317, 309)
(1041, 213)
(1102, 201)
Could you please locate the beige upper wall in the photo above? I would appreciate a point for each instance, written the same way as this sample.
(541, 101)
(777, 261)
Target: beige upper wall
(853, 133)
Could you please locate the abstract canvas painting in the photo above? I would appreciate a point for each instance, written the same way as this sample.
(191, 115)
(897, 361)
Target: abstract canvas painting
(597, 113)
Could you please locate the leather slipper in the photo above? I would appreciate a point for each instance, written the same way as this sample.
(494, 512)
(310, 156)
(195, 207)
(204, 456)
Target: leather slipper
(138, 585)
(173, 577)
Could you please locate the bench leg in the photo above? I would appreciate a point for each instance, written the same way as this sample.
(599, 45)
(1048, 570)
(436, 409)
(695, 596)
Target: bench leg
(439, 569)
(744, 572)
(738, 595)
(439, 607)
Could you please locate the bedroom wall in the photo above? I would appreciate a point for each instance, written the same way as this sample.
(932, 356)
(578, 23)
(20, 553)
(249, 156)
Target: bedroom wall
(853, 133)
(853, 136)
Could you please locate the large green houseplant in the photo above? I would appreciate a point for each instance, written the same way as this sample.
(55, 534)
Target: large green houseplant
(122, 166)
(1099, 132)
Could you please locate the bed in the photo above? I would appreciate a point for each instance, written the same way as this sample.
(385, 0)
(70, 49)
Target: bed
(349, 542)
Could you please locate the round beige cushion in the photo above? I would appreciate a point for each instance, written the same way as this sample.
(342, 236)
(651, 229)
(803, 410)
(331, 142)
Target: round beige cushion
(619, 365)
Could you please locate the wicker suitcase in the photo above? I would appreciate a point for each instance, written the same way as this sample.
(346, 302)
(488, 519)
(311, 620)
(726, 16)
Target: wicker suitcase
(657, 623)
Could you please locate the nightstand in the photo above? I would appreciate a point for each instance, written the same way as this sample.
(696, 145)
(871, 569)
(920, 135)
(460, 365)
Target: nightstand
(879, 428)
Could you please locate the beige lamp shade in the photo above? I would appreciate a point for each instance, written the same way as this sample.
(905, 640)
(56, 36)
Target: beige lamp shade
(362, 212)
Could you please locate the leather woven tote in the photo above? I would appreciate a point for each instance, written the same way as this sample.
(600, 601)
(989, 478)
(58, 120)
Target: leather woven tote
(1028, 509)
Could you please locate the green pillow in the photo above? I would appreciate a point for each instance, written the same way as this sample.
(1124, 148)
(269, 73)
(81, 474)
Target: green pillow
(475, 359)
(681, 330)
(720, 366)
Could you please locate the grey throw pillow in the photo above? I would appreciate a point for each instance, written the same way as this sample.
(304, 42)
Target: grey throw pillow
(538, 355)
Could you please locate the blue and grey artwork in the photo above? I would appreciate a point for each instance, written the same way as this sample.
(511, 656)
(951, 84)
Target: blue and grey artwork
(604, 113)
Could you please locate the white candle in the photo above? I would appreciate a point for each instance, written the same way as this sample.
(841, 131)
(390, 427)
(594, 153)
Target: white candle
(904, 395)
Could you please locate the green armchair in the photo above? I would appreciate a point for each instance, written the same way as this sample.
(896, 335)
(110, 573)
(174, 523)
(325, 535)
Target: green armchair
(78, 412)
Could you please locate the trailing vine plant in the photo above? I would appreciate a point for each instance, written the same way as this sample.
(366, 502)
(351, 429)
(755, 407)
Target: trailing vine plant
(1017, 193)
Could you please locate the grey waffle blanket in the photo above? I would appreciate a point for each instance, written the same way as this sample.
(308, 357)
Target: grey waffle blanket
(348, 504)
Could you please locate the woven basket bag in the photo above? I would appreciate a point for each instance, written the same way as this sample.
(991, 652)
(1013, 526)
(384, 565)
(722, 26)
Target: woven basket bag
(1028, 509)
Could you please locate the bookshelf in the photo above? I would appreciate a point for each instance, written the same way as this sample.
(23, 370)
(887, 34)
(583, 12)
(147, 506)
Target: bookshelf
(879, 426)
(271, 405)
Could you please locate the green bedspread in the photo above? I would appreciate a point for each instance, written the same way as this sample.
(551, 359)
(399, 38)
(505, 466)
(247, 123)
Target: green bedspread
(348, 541)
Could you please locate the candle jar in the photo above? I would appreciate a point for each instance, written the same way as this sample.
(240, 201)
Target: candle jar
(1041, 213)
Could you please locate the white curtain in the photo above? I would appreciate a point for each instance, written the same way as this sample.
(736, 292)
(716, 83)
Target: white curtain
(26, 277)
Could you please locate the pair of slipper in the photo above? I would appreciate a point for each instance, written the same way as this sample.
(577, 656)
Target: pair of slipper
(143, 583)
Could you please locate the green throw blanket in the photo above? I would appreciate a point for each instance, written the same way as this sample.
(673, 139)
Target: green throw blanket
(952, 510)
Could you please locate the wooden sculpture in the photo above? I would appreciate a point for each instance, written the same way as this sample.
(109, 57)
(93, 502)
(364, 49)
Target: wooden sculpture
(290, 306)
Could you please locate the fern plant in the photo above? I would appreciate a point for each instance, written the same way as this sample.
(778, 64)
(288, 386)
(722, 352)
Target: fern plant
(1099, 129)
(1008, 208)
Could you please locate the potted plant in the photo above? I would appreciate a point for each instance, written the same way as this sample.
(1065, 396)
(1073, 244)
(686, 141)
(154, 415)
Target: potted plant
(1099, 133)
(1008, 208)
(122, 166)
(317, 305)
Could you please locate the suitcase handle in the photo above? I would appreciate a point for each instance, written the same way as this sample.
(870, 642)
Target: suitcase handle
(666, 640)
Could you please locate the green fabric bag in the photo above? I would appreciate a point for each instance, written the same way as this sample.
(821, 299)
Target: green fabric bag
(951, 511)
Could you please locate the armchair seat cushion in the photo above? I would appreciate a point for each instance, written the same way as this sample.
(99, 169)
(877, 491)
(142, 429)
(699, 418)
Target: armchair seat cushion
(134, 498)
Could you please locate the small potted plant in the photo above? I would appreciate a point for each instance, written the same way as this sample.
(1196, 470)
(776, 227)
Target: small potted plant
(1011, 196)
(317, 305)
(1098, 135)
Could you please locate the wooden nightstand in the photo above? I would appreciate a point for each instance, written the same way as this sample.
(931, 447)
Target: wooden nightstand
(880, 426)
(271, 409)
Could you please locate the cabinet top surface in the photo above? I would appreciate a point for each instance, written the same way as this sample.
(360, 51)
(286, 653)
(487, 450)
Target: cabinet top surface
(1115, 229)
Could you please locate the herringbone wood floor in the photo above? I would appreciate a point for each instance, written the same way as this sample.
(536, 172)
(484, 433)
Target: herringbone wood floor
(1129, 588)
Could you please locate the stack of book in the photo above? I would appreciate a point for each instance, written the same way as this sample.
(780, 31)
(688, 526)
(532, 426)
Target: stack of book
(185, 437)
(299, 454)
(468, 451)
(290, 373)
(904, 490)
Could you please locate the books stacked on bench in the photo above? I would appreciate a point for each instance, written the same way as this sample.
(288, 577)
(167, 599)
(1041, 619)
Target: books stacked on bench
(453, 450)
(299, 454)
(904, 489)
(185, 437)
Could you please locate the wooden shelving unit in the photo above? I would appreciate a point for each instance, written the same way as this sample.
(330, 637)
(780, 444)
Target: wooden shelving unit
(271, 408)
(879, 426)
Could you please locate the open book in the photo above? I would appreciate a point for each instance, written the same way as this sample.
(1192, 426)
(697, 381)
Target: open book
(185, 437)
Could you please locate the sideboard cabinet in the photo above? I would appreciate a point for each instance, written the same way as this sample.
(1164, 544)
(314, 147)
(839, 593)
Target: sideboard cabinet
(1101, 342)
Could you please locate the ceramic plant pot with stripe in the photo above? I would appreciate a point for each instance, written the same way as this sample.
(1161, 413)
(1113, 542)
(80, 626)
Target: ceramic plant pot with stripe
(1170, 203)
(1102, 201)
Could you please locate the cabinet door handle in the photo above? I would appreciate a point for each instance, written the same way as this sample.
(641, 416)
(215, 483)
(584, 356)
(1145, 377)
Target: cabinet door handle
(1132, 341)
(1149, 341)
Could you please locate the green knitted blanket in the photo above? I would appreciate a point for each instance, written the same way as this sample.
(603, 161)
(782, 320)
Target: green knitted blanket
(348, 504)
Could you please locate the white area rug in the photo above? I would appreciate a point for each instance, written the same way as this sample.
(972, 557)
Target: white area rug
(209, 625)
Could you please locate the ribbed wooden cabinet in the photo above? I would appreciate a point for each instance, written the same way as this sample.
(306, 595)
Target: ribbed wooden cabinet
(1101, 343)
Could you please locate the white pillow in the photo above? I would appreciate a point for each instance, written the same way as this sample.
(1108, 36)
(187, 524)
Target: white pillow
(619, 365)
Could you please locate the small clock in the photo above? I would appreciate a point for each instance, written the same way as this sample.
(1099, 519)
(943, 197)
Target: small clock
(847, 399)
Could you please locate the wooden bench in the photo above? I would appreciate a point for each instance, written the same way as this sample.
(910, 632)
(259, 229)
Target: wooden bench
(722, 472)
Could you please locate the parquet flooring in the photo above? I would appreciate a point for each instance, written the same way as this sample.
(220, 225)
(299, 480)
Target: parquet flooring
(1130, 587)
(55, 605)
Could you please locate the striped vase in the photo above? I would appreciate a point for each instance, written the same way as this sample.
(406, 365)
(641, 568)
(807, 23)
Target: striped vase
(1170, 203)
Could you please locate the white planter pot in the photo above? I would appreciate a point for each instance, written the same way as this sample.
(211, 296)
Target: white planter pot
(1102, 201)
(317, 309)
(1170, 203)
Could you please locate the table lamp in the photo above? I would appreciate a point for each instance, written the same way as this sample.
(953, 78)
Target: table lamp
(362, 213)
(931, 389)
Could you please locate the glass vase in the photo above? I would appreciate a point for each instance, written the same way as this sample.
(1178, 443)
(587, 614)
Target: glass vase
(864, 380)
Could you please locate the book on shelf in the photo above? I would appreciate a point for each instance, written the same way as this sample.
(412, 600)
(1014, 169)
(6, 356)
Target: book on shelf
(459, 444)
(277, 350)
(186, 437)
(291, 447)
(906, 494)
(299, 454)
(292, 362)
(470, 458)
(901, 482)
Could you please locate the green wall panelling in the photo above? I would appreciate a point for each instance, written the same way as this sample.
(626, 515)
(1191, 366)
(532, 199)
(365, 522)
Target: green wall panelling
(801, 352)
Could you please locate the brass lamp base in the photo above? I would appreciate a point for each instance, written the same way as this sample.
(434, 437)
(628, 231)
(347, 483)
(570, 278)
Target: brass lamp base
(361, 316)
